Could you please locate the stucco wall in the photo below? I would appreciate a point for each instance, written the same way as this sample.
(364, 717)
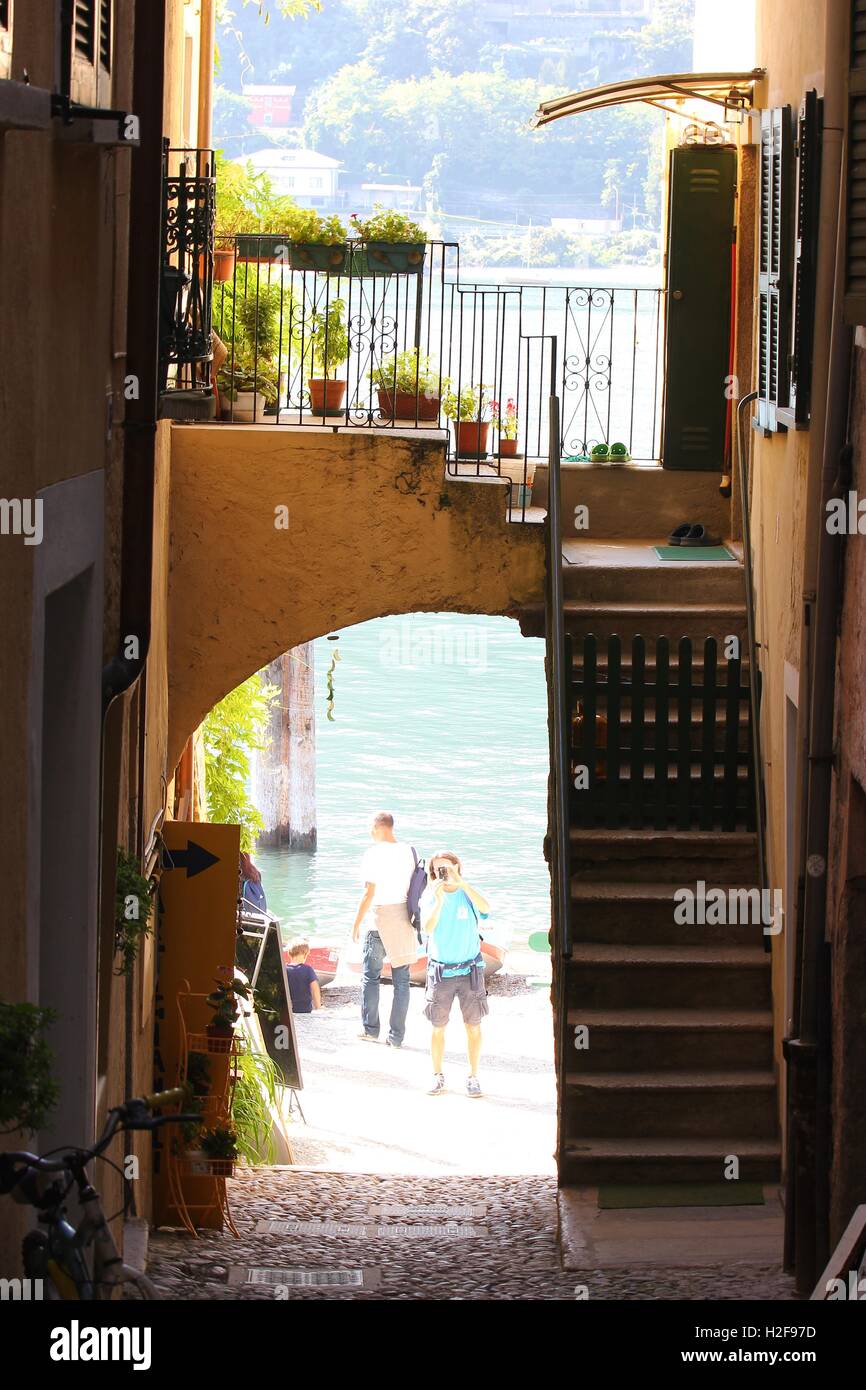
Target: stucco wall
(790, 44)
(374, 528)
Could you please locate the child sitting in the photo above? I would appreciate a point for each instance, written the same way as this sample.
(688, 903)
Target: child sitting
(304, 988)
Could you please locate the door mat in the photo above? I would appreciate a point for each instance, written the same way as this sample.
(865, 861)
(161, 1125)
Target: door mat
(692, 1194)
(709, 554)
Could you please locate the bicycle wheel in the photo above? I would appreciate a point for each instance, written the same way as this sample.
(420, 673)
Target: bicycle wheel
(135, 1287)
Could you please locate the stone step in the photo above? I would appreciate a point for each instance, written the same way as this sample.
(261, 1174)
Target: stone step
(649, 620)
(676, 1039)
(670, 1104)
(595, 581)
(666, 856)
(617, 976)
(642, 914)
(596, 1159)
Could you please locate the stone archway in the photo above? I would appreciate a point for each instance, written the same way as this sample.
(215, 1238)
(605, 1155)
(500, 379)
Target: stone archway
(279, 536)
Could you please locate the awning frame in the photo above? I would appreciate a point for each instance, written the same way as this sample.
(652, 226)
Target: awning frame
(730, 90)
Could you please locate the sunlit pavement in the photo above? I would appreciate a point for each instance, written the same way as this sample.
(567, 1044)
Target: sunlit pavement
(366, 1105)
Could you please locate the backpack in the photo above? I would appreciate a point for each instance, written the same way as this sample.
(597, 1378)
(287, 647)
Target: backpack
(417, 884)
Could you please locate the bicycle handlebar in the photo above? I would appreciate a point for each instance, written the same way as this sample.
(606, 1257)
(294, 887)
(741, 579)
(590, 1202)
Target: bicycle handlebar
(134, 1112)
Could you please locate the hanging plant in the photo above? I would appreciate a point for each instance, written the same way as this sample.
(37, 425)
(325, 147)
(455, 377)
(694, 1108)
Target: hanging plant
(335, 657)
(133, 910)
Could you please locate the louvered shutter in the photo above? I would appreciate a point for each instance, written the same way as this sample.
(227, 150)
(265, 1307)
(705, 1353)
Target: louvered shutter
(89, 38)
(774, 266)
(5, 38)
(854, 310)
(809, 130)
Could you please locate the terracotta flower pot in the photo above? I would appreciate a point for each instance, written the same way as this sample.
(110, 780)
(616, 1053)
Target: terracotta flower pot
(472, 438)
(507, 448)
(403, 405)
(223, 264)
(326, 397)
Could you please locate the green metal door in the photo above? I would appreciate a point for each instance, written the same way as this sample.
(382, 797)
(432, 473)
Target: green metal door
(698, 330)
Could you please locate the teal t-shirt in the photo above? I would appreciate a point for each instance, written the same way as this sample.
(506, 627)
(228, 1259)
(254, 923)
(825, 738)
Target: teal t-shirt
(456, 936)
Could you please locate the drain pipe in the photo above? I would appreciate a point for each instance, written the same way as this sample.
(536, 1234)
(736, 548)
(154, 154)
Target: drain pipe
(139, 441)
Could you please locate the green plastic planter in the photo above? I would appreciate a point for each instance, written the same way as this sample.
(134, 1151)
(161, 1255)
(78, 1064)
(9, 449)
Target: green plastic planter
(389, 258)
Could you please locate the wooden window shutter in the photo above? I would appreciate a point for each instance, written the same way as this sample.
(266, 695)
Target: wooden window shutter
(89, 38)
(809, 131)
(6, 37)
(854, 308)
(774, 266)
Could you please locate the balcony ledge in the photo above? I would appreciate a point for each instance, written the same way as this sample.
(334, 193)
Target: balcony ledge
(23, 107)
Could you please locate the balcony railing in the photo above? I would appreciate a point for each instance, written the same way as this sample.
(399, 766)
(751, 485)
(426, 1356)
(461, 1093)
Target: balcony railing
(375, 337)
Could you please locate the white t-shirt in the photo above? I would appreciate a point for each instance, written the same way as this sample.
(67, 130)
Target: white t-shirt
(389, 864)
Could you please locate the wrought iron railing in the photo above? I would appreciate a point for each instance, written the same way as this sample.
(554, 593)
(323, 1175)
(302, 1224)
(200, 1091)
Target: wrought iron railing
(366, 336)
(186, 288)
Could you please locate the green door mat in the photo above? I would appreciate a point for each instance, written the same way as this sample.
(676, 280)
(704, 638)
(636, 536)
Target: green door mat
(691, 1194)
(720, 554)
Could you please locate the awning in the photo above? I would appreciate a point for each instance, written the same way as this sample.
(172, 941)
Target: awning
(732, 90)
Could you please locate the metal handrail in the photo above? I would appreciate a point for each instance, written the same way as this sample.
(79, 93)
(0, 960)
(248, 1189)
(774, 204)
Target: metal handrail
(754, 674)
(560, 762)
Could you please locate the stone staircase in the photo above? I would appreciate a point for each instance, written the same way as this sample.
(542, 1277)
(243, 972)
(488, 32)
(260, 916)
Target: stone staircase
(676, 1076)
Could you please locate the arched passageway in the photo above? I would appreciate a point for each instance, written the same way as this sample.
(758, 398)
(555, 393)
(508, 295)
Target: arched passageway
(279, 536)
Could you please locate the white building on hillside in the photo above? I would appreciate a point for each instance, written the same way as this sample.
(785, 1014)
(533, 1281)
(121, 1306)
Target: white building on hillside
(311, 177)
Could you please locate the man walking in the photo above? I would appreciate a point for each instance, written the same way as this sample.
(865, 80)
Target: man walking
(450, 912)
(387, 869)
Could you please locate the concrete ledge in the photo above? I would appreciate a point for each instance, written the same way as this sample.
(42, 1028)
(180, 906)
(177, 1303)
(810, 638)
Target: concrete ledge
(685, 1237)
(629, 500)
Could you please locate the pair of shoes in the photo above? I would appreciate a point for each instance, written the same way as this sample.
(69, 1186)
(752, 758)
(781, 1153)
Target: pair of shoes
(473, 1087)
(691, 534)
(389, 1043)
(438, 1086)
(367, 1037)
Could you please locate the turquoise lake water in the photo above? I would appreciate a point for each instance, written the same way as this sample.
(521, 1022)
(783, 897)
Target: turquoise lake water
(442, 720)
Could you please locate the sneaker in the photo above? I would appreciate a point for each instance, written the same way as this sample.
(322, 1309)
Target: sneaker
(367, 1037)
(438, 1086)
(389, 1043)
(473, 1086)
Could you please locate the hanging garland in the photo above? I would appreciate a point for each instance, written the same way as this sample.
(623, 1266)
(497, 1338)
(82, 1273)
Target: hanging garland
(335, 657)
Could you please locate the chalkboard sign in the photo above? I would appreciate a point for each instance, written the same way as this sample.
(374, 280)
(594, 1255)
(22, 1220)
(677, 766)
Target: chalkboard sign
(260, 956)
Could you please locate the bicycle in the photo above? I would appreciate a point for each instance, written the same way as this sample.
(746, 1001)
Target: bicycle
(57, 1253)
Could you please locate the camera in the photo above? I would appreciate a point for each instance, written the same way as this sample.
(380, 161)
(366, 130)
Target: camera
(443, 872)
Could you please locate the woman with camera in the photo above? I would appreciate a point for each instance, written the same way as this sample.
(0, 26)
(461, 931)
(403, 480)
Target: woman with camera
(450, 912)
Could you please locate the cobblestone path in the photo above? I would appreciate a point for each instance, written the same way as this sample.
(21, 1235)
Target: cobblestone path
(386, 1236)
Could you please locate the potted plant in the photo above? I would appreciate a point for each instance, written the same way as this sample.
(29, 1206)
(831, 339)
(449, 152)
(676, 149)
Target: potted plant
(408, 386)
(314, 242)
(250, 327)
(249, 387)
(327, 341)
(389, 242)
(505, 421)
(470, 412)
(28, 1091)
(217, 1151)
(226, 1011)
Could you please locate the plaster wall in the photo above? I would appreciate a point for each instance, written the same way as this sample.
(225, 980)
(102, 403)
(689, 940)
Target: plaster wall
(790, 45)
